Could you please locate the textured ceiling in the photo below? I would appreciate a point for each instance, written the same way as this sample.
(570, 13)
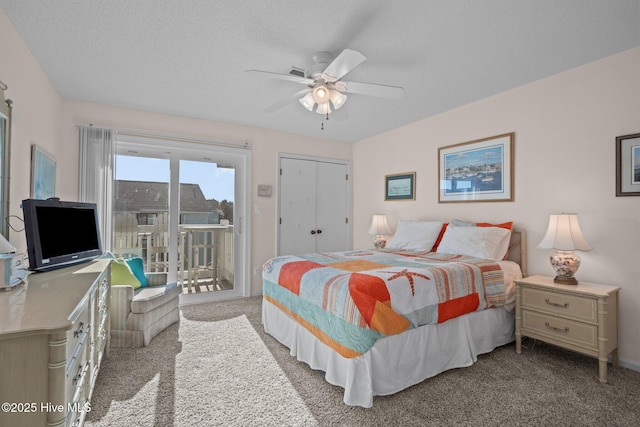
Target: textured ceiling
(189, 57)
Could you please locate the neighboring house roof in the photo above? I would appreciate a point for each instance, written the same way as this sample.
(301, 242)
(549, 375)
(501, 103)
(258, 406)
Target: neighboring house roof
(144, 196)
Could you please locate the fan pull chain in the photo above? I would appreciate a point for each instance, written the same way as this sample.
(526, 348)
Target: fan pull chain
(322, 123)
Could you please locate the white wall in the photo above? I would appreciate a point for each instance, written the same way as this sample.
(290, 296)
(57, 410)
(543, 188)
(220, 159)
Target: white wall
(36, 117)
(565, 128)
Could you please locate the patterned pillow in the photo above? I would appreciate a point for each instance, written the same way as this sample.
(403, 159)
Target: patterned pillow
(121, 274)
(137, 267)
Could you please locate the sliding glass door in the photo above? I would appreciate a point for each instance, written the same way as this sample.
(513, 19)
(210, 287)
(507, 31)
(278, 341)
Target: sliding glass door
(181, 207)
(207, 193)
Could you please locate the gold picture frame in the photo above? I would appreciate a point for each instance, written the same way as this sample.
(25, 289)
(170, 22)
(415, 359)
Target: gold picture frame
(477, 171)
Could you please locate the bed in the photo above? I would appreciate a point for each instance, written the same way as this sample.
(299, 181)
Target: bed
(379, 321)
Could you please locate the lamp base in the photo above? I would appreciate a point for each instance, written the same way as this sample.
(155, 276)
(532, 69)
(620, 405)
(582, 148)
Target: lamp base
(565, 263)
(563, 280)
(380, 242)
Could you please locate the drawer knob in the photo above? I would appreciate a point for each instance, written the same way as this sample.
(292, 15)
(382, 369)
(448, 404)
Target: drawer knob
(564, 330)
(555, 304)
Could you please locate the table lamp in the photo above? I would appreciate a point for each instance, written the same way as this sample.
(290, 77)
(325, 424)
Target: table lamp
(7, 251)
(379, 227)
(564, 235)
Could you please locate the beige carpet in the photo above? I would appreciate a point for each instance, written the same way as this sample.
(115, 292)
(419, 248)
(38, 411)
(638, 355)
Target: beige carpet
(190, 375)
(204, 373)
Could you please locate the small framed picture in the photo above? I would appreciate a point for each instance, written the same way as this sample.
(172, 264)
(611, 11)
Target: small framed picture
(43, 174)
(401, 186)
(628, 165)
(477, 171)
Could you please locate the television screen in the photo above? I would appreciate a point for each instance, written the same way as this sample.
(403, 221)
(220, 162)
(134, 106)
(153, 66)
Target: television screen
(60, 233)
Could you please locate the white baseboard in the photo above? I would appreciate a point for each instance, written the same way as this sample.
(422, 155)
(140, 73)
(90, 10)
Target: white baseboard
(634, 366)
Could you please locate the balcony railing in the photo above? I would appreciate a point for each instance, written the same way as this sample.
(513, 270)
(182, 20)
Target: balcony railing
(205, 252)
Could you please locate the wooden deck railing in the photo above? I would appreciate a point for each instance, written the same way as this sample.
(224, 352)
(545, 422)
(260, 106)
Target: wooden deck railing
(205, 252)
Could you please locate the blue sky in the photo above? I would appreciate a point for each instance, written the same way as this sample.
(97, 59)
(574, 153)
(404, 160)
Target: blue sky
(216, 183)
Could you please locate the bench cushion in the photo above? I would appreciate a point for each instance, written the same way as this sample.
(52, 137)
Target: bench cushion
(149, 298)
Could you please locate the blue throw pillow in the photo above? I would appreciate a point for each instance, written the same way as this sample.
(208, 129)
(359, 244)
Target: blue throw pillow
(137, 267)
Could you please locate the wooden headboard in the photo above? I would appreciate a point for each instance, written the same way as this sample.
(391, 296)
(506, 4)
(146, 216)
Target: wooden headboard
(518, 249)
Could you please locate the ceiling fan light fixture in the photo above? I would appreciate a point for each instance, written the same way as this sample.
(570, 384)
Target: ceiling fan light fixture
(321, 94)
(307, 101)
(323, 108)
(337, 99)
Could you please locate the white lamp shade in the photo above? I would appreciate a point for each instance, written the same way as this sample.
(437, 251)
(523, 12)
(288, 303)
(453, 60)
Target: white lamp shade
(323, 108)
(337, 99)
(307, 101)
(320, 94)
(5, 246)
(379, 225)
(564, 234)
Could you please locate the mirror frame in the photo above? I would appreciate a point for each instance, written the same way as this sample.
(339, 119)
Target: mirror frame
(5, 161)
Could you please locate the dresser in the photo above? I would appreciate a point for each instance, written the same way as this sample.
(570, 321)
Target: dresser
(582, 317)
(54, 333)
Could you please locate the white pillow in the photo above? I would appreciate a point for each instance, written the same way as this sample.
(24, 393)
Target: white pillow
(415, 235)
(479, 242)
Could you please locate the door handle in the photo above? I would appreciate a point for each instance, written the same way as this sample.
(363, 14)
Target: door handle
(313, 231)
(319, 231)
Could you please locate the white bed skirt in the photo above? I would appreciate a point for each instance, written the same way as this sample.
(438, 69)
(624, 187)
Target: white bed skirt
(398, 361)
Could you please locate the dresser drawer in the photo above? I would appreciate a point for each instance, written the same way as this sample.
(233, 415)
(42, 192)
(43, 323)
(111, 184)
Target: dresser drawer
(77, 332)
(569, 331)
(575, 306)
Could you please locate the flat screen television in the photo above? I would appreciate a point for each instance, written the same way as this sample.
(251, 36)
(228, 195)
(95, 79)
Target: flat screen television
(60, 233)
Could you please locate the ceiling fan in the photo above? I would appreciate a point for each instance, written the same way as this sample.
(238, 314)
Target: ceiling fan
(325, 88)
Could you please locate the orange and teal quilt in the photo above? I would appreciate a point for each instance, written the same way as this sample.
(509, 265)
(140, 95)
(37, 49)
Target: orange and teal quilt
(351, 299)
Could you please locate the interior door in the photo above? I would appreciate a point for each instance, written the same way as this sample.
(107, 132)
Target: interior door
(297, 206)
(331, 207)
(313, 211)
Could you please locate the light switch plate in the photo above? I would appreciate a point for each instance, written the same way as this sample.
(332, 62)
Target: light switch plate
(264, 191)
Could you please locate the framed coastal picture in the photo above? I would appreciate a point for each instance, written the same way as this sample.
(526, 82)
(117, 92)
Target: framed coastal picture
(477, 171)
(628, 165)
(400, 186)
(43, 174)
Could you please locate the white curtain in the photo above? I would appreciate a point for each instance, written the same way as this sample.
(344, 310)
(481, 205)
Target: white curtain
(96, 158)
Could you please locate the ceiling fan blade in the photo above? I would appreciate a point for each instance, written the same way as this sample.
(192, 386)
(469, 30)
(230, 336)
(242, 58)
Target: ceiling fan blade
(289, 77)
(382, 91)
(296, 96)
(345, 62)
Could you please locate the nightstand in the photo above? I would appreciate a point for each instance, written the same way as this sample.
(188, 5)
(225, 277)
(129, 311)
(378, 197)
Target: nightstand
(582, 317)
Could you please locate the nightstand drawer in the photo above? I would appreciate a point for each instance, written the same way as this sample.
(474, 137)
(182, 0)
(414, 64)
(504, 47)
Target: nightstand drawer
(581, 334)
(574, 306)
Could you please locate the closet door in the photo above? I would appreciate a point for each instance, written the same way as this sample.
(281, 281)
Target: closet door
(313, 206)
(297, 206)
(331, 207)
